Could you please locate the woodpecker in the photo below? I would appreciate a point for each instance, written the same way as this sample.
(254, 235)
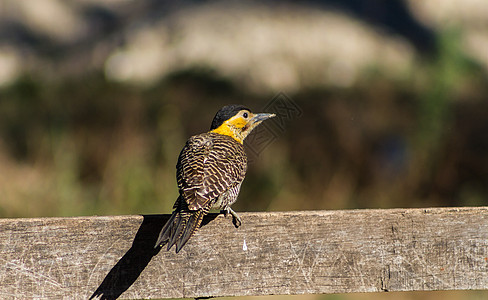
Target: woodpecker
(209, 172)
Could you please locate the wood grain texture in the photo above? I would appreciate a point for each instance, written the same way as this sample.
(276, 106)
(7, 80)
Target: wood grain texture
(271, 253)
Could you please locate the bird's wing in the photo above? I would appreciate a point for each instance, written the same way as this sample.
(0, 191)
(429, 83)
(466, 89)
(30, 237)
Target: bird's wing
(209, 165)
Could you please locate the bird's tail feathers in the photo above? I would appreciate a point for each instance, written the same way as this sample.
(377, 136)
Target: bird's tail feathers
(182, 224)
(165, 233)
(192, 225)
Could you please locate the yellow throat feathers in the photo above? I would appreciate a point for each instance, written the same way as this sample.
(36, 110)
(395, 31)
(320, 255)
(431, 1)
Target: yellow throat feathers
(233, 128)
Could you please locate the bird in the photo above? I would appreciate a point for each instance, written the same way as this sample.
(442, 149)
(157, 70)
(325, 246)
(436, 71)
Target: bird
(209, 173)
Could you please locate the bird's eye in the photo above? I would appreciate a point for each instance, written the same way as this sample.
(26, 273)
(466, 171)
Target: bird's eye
(245, 115)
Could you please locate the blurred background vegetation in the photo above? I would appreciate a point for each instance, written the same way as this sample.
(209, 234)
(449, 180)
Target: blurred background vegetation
(97, 99)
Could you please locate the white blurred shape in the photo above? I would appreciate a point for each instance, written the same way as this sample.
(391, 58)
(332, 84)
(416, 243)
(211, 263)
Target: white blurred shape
(471, 16)
(54, 18)
(262, 48)
(142, 61)
(10, 66)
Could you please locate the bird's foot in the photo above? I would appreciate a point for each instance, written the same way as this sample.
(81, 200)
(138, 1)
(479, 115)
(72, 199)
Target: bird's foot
(236, 220)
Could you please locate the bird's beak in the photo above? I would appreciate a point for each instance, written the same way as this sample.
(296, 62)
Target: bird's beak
(255, 121)
(258, 118)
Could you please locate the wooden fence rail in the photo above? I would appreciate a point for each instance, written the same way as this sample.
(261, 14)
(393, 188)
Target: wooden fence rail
(271, 253)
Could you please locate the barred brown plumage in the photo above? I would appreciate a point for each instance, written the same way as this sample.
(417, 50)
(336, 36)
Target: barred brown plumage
(209, 172)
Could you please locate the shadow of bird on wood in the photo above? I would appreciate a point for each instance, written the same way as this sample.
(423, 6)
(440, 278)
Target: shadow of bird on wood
(135, 260)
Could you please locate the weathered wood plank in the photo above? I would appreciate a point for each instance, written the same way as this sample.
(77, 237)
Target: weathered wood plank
(272, 253)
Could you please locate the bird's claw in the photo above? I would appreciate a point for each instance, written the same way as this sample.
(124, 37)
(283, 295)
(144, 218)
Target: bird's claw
(236, 220)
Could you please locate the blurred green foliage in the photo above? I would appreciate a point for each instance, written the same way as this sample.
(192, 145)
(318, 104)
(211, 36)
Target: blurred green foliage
(82, 146)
